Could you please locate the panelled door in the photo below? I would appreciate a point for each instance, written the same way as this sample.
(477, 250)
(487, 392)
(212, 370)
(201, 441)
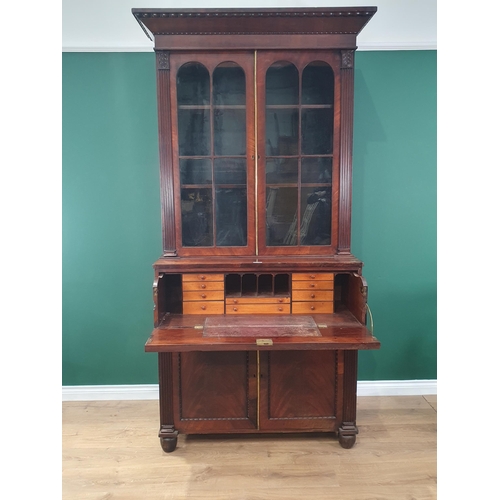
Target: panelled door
(265, 390)
(300, 390)
(215, 391)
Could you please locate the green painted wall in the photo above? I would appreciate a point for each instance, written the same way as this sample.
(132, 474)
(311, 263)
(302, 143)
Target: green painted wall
(394, 208)
(111, 213)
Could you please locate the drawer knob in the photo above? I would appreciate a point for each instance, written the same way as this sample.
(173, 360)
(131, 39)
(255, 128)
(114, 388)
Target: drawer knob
(203, 307)
(235, 301)
(235, 308)
(312, 276)
(313, 295)
(203, 295)
(280, 300)
(312, 285)
(202, 277)
(280, 309)
(312, 308)
(203, 285)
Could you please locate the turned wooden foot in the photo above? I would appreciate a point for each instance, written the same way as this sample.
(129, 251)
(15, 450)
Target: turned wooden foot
(168, 444)
(347, 436)
(168, 438)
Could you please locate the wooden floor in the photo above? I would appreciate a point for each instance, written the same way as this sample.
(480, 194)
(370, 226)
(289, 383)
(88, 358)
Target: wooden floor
(111, 451)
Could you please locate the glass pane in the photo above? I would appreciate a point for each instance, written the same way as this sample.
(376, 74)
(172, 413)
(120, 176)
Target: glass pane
(193, 85)
(231, 217)
(316, 170)
(194, 132)
(281, 216)
(317, 84)
(195, 171)
(229, 85)
(229, 132)
(282, 171)
(317, 131)
(315, 225)
(282, 132)
(282, 84)
(230, 171)
(196, 213)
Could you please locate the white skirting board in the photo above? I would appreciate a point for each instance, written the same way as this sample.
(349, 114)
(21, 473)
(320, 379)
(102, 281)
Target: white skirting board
(150, 391)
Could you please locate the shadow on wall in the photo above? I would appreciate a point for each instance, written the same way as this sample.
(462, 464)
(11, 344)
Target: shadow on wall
(406, 324)
(367, 129)
(367, 124)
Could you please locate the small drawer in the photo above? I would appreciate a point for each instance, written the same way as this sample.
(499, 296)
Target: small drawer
(312, 307)
(202, 277)
(203, 295)
(312, 277)
(193, 286)
(312, 285)
(257, 300)
(212, 307)
(258, 309)
(313, 295)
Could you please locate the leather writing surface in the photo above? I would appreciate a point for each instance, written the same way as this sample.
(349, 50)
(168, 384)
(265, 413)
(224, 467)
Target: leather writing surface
(260, 326)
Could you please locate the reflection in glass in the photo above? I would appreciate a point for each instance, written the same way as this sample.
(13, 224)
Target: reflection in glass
(281, 216)
(282, 132)
(194, 132)
(193, 85)
(195, 171)
(229, 85)
(230, 171)
(282, 171)
(317, 84)
(282, 84)
(317, 131)
(231, 217)
(316, 170)
(196, 213)
(315, 219)
(229, 132)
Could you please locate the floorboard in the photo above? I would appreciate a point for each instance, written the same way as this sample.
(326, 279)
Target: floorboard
(111, 451)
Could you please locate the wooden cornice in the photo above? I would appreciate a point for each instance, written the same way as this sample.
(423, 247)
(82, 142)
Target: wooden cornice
(315, 21)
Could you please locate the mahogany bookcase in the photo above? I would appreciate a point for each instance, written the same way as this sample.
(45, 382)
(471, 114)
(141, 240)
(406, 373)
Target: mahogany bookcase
(260, 308)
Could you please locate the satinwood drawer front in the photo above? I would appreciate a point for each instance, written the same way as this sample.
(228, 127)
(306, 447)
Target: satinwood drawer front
(202, 277)
(210, 307)
(259, 300)
(310, 295)
(203, 295)
(258, 308)
(192, 286)
(312, 285)
(312, 277)
(312, 307)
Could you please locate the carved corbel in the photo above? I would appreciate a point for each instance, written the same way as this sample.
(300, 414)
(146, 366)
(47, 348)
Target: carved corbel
(163, 58)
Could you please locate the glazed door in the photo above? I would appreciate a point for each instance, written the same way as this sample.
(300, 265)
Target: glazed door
(213, 153)
(274, 112)
(298, 104)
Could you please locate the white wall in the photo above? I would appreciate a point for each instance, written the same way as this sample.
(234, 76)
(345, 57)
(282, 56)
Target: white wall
(108, 25)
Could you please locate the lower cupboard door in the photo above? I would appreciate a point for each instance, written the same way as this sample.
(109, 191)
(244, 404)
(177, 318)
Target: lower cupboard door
(300, 390)
(215, 392)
